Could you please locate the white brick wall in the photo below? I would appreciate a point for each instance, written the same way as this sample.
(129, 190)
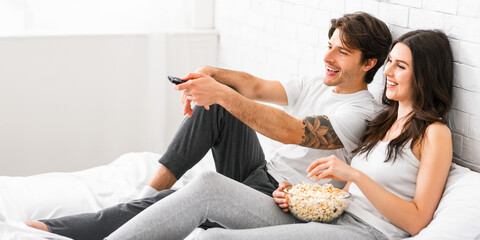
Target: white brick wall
(279, 38)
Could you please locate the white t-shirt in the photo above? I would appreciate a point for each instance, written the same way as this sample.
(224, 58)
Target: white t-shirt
(347, 114)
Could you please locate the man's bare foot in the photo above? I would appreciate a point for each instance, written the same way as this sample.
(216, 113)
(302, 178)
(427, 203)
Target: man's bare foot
(38, 225)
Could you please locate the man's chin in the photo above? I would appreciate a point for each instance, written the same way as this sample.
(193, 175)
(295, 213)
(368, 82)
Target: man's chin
(329, 81)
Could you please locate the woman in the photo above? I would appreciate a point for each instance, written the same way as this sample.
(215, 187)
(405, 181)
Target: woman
(397, 175)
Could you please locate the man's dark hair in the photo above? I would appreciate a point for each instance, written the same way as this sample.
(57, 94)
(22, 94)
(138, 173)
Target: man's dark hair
(366, 33)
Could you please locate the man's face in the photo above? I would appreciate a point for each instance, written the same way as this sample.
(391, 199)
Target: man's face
(343, 66)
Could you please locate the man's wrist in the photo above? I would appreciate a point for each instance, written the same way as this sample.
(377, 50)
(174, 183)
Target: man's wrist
(207, 70)
(226, 95)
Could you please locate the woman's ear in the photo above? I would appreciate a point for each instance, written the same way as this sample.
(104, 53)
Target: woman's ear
(370, 63)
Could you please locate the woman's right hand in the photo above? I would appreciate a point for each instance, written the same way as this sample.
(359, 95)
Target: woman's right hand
(279, 196)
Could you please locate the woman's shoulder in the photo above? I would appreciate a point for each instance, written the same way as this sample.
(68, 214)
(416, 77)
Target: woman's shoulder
(437, 130)
(437, 138)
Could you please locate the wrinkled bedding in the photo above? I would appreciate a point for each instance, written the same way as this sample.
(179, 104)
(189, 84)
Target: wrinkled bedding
(58, 194)
(52, 195)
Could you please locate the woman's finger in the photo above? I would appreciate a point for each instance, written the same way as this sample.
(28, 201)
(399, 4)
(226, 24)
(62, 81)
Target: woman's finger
(325, 174)
(315, 163)
(317, 170)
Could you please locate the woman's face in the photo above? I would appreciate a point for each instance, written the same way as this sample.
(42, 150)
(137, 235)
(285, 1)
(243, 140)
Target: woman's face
(399, 74)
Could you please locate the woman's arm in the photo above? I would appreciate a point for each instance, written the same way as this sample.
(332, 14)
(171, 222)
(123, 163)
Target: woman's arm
(411, 216)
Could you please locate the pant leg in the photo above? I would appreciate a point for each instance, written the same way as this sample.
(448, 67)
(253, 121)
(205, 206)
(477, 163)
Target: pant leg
(262, 181)
(237, 153)
(209, 196)
(91, 226)
(348, 227)
(235, 146)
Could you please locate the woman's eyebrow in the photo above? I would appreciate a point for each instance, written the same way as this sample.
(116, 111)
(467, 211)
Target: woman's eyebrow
(398, 60)
(404, 62)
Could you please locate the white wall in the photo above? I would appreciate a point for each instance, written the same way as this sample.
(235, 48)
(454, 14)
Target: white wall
(39, 17)
(72, 102)
(85, 81)
(78, 99)
(278, 38)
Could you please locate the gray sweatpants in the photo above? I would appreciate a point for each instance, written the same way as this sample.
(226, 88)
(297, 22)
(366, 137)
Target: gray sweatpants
(245, 212)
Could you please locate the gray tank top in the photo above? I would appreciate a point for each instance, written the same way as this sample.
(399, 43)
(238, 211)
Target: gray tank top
(399, 178)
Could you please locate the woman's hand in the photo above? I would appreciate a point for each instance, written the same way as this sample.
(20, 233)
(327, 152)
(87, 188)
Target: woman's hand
(279, 196)
(331, 167)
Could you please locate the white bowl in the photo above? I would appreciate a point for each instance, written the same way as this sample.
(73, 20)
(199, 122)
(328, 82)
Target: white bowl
(309, 206)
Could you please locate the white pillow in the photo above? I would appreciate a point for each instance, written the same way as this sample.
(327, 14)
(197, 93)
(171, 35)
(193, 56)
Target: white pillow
(458, 213)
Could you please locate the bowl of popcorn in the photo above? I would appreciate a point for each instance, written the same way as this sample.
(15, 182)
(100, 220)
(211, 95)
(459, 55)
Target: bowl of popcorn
(316, 203)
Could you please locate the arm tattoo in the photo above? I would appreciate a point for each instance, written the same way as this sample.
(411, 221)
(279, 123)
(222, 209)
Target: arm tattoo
(319, 133)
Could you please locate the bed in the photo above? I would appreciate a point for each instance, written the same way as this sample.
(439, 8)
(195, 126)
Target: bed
(52, 195)
(59, 194)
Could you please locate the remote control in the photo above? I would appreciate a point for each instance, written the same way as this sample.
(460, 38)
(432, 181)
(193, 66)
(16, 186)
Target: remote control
(175, 80)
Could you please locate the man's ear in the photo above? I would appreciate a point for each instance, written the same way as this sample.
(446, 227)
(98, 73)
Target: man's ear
(370, 63)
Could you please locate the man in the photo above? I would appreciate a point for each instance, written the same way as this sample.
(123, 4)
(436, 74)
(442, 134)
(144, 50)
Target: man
(326, 115)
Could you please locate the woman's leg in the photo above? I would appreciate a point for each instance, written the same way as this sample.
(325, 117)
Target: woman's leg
(348, 227)
(209, 196)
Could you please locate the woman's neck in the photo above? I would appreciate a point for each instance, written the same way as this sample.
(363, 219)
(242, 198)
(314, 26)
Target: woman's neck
(404, 110)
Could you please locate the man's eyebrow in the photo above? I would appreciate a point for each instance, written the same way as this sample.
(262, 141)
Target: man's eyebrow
(342, 48)
(346, 49)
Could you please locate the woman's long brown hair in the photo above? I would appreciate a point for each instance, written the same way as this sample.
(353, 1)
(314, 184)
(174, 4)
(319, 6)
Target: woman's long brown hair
(432, 61)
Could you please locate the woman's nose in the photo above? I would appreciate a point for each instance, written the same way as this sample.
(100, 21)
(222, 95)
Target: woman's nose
(387, 70)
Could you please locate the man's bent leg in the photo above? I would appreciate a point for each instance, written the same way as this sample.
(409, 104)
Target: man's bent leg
(235, 146)
(91, 226)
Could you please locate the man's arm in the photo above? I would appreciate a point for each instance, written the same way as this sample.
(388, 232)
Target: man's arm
(250, 86)
(314, 132)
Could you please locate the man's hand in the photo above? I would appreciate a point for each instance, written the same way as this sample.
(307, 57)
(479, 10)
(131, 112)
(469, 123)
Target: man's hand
(279, 196)
(200, 89)
(187, 108)
(207, 70)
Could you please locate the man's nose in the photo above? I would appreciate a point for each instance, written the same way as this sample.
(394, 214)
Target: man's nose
(328, 56)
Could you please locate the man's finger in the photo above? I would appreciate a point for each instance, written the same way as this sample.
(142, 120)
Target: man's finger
(182, 86)
(192, 76)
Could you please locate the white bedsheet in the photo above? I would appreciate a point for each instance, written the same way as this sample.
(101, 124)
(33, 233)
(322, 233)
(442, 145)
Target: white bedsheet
(58, 194)
(52, 195)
